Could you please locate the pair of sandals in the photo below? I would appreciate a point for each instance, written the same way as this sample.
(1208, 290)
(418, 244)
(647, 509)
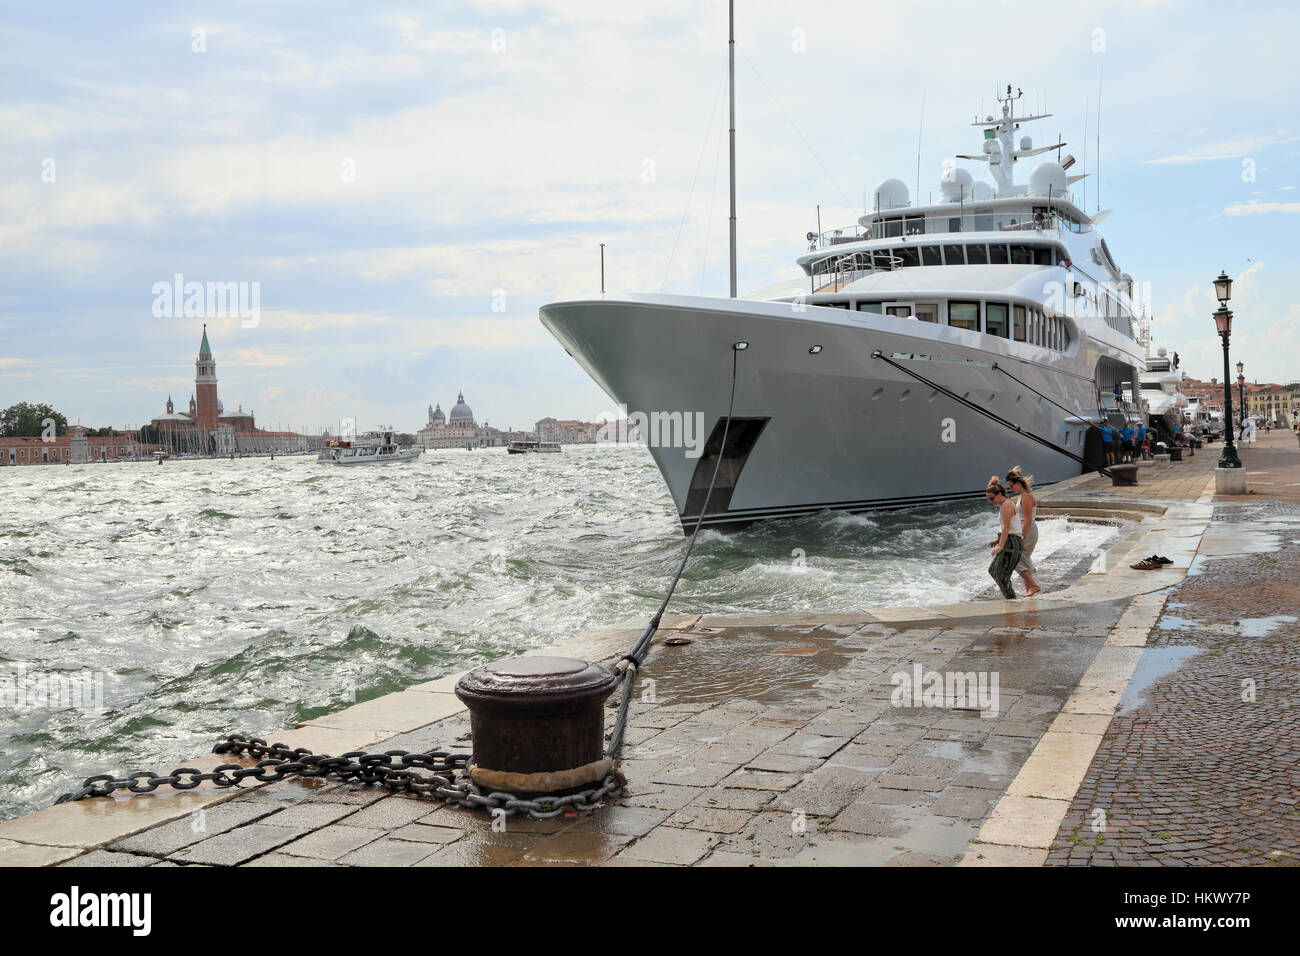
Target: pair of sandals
(1152, 563)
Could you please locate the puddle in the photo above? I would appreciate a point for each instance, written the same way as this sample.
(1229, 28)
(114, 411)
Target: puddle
(1155, 663)
(1263, 626)
(1170, 622)
(755, 664)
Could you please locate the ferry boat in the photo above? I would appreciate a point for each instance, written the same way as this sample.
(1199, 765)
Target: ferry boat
(1003, 294)
(526, 446)
(370, 449)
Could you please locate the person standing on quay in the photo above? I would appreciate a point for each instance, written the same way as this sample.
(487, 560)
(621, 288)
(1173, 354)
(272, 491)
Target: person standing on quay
(1006, 547)
(1027, 507)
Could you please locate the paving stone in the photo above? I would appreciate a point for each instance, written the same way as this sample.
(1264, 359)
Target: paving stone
(238, 845)
(964, 802)
(390, 813)
(99, 858)
(310, 816)
(589, 849)
(712, 819)
(198, 826)
(671, 845)
(421, 833)
(388, 852)
(332, 842)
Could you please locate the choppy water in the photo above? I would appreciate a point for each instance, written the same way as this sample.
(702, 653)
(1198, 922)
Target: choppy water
(220, 596)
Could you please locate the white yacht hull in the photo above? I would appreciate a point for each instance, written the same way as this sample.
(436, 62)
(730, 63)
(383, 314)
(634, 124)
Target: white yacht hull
(842, 430)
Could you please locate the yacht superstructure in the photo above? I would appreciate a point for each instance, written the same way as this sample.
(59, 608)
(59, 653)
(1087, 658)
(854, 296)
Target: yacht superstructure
(1003, 294)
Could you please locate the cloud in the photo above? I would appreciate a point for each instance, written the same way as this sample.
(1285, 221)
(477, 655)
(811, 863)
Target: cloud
(1227, 149)
(1253, 208)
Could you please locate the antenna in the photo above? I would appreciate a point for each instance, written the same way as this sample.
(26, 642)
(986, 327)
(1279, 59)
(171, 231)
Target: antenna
(1100, 72)
(919, 130)
(1084, 207)
(731, 83)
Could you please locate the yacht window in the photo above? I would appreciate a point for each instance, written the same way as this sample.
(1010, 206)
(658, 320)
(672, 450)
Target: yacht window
(915, 225)
(1018, 323)
(954, 255)
(1061, 257)
(836, 305)
(964, 315)
(908, 256)
(893, 227)
(870, 307)
(998, 254)
(1042, 255)
(931, 256)
(995, 319)
(983, 223)
(883, 259)
(927, 311)
(1022, 255)
(977, 255)
(954, 224)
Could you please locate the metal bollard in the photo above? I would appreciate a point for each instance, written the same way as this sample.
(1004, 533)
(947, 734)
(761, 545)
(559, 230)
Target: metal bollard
(537, 723)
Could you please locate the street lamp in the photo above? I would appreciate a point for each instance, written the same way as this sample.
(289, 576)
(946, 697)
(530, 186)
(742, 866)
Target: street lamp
(1223, 322)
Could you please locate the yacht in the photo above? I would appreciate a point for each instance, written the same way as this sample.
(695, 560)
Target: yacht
(1165, 403)
(370, 449)
(866, 381)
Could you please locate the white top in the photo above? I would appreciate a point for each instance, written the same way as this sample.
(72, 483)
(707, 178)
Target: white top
(1017, 528)
(1020, 510)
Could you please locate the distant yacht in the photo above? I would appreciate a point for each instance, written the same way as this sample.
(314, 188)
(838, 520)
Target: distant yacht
(1167, 406)
(1005, 295)
(371, 449)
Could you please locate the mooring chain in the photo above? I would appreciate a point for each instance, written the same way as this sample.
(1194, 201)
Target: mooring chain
(434, 774)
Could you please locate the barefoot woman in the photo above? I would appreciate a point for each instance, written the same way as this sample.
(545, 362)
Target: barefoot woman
(1027, 505)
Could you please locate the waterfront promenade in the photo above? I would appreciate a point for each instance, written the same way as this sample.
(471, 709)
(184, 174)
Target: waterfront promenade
(1140, 718)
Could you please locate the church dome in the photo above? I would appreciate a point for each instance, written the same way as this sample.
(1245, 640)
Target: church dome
(436, 415)
(460, 412)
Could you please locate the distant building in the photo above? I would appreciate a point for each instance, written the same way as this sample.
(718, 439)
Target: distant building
(209, 429)
(569, 432)
(74, 448)
(460, 430)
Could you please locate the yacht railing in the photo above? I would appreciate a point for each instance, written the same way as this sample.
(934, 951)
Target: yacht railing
(960, 220)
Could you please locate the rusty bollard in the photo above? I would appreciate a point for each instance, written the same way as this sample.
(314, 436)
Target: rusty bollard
(538, 723)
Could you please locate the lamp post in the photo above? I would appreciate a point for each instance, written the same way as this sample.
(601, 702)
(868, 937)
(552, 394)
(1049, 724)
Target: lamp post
(1223, 322)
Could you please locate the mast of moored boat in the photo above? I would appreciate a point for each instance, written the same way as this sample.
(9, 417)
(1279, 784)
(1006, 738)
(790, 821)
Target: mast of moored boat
(731, 84)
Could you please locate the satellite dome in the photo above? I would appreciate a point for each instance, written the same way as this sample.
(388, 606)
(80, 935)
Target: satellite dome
(891, 194)
(1048, 178)
(956, 184)
(983, 191)
(1026, 142)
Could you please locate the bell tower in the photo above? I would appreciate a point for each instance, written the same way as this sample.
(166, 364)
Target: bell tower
(205, 385)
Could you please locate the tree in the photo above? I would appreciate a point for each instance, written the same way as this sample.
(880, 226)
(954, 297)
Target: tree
(27, 420)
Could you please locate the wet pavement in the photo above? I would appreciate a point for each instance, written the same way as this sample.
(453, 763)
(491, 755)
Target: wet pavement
(759, 746)
(1202, 764)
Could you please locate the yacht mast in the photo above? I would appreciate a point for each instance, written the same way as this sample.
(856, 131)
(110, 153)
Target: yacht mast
(731, 85)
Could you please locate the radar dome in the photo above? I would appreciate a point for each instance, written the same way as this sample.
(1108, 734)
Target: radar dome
(1026, 142)
(891, 194)
(956, 184)
(983, 191)
(1048, 178)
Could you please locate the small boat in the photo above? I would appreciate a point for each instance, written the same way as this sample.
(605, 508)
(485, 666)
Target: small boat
(523, 447)
(371, 449)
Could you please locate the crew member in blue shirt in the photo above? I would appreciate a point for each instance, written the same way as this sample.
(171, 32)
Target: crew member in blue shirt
(1126, 436)
(1108, 439)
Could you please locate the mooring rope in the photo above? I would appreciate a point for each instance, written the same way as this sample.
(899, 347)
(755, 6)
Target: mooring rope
(993, 416)
(630, 663)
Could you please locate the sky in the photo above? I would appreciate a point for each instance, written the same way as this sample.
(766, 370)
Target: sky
(404, 184)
